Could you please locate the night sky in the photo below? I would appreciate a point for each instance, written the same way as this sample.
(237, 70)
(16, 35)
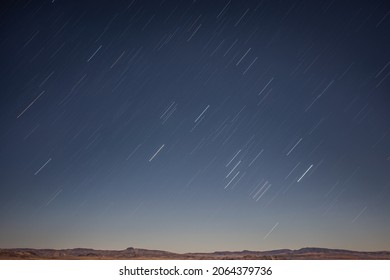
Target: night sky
(195, 125)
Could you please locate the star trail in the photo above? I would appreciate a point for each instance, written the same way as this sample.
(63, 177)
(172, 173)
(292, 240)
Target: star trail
(195, 125)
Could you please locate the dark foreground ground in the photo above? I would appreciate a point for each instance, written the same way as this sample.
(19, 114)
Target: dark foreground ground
(143, 254)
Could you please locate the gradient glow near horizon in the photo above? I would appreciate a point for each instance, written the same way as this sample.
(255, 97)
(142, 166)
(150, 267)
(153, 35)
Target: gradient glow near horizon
(195, 125)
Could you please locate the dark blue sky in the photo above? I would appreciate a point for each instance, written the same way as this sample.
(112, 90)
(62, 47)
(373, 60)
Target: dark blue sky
(195, 125)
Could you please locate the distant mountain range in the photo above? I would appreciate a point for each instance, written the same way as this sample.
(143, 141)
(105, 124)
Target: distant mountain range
(135, 253)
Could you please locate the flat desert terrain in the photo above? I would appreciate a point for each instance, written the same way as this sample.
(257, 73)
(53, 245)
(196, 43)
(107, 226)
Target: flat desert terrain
(144, 254)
